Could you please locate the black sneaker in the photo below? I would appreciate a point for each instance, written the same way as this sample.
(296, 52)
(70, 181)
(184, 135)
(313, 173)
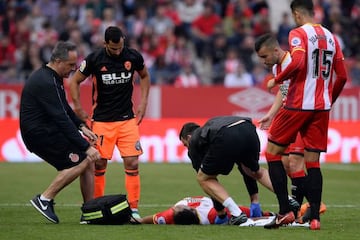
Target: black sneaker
(46, 208)
(294, 206)
(238, 220)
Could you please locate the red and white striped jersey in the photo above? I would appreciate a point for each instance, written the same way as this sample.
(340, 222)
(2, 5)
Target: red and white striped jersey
(311, 87)
(203, 205)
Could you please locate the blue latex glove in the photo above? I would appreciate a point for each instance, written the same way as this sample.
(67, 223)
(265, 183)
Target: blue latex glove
(223, 220)
(255, 210)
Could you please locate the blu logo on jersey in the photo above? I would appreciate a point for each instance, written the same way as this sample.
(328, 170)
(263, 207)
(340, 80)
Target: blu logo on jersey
(116, 78)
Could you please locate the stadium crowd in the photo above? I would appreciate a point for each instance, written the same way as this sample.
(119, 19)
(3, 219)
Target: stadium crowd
(185, 43)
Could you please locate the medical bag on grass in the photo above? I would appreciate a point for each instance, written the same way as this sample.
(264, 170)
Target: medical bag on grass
(106, 210)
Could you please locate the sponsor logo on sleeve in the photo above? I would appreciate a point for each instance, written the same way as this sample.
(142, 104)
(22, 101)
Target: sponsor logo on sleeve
(295, 42)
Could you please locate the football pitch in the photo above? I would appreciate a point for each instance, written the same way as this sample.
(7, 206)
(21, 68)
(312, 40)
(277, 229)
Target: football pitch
(163, 185)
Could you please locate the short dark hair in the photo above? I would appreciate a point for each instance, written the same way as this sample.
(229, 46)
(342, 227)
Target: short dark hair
(113, 34)
(305, 5)
(187, 129)
(267, 39)
(61, 51)
(186, 217)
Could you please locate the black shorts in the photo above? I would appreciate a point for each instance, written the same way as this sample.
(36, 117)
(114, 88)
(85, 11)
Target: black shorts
(55, 149)
(233, 145)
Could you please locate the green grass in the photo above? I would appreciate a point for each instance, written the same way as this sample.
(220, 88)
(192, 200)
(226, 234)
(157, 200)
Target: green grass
(162, 186)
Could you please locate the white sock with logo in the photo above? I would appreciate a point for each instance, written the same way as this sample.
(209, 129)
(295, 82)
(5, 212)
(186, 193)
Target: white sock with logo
(234, 209)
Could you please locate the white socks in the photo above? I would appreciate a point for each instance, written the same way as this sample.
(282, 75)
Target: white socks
(44, 198)
(232, 206)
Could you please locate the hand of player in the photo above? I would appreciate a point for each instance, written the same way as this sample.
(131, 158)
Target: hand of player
(221, 219)
(92, 137)
(270, 84)
(140, 113)
(255, 210)
(265, 122)
(93, 154)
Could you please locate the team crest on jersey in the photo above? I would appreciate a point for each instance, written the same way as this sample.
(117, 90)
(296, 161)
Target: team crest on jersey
(74, 157)
(138, 146)
(127, 65)
(161, 220)
(82, 66)
(295, 41)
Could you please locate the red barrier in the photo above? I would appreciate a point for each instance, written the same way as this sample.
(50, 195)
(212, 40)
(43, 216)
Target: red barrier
(202, 102)
(160, 142)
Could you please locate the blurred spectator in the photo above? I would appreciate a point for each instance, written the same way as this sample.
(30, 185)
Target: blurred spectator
(283, 30)
(37, 19)
(239, 78)
(205, 28)
(171, 12)
(45, 35)
(202, 29)
(238, 22)
(108, 19)
(7, 53)
(85, 21)
(91, 30)
(355, 72)
(136, 24)
(46, 39)
(23, 31)
(354, 30)
(319, 13)
(48, 8)
(160, 23)
(337, 31)
(97, 6)
(177, 56)
(246, 52)
(83, 48)
(261, 22)
(8, 24)
(259, 74)
(217, 52)
(232, 61)
(28, 60)
(188, 11)
(7, 60)
(129, 7)
(68, 25)
(62, 20)
(187, 77)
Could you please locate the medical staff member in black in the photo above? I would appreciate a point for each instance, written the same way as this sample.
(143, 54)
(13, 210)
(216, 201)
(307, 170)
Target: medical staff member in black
(215, 148)
(50, 129)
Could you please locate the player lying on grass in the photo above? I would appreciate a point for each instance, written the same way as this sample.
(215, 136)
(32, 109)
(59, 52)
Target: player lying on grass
(201, 210)
(194, 210)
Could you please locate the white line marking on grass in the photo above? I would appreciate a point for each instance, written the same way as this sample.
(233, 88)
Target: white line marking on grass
(164, 205)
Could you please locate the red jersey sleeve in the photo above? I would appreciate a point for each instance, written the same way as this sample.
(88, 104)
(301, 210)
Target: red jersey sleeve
(164, 217)
(297, 48)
